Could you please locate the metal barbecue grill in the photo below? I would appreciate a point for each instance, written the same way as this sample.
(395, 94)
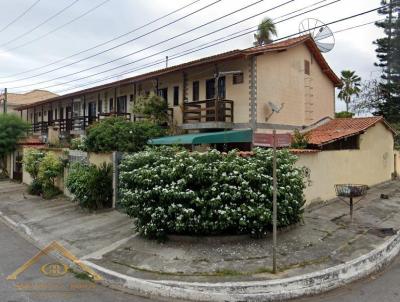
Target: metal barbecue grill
(351, 191)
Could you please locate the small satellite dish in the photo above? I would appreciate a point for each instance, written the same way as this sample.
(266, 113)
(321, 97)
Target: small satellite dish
(322, 34)
(275, 108)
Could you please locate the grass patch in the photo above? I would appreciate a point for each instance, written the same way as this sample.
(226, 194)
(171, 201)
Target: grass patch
(81, 275)
(228, 272)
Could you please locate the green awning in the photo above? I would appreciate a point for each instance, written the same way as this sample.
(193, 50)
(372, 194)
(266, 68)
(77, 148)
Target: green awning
(220, 137)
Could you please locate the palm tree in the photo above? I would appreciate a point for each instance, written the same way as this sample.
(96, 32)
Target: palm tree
(351, 86)
(266, 29)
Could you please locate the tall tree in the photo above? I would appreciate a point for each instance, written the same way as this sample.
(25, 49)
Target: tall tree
(266, 29)
(350, 88)
(388, 54)
(12, 129)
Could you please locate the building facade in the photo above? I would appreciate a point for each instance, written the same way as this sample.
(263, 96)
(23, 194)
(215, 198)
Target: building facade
(232, 90)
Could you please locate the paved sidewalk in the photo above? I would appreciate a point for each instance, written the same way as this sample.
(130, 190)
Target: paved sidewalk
(325, 238)
(60, 219)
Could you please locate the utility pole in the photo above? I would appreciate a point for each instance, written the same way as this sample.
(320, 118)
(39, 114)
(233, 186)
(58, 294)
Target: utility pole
(166, 61)
(5, 101)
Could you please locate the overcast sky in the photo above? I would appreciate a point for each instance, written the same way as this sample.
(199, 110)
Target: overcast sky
(353, 49)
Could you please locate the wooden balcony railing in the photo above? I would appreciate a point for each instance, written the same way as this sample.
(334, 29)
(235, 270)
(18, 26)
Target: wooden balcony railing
(212, 110)
(41, 127)
(81, 122)
(104, 115)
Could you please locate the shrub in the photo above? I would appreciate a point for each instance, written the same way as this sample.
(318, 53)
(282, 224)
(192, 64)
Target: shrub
(118, 134)
(35, 188)
(49, 192)
(50, 167)
(32, 160)
(78, 143)
(152, 107)
(91, 185)
(344, 114)
(300, 140)
(12, 129)
(173, 191)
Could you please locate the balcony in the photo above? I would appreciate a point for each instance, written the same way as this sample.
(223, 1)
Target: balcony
(208, 114)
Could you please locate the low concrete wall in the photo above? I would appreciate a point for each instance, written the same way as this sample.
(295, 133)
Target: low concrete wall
(99, 158)
(371, 164)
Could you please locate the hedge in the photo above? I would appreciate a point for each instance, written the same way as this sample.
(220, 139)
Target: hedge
(91, 185)
(171, 191)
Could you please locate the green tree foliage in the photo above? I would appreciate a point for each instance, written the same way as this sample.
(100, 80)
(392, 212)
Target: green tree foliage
(344, 114)
(266, 29)
(300, 140)
(388, 54)
(351, 87)
(170, 191)
(118, 134)
(12, 129)
(91, 185)
(50, 168)
(32, 160)
(153, 108)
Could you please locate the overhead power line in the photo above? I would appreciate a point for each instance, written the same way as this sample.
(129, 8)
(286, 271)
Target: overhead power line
(134, 39)
(173, 47)
(201, 47)
(58, 27)
(40, 24)
(19, 16)
(106, 42)
(155, 44)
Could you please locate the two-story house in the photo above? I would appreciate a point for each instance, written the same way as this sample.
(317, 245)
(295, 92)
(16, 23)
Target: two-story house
(231, 90)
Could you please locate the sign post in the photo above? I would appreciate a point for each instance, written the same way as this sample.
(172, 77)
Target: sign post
(274, 203)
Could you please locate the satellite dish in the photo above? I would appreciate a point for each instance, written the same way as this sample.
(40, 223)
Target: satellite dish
(275, 108)
(322, 34)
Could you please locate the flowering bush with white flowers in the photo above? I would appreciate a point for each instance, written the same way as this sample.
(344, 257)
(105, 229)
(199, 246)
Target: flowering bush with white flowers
(174, 191)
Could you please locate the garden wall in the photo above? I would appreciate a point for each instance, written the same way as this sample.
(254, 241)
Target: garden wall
(373, 163)
(93, 158)
(99, 158)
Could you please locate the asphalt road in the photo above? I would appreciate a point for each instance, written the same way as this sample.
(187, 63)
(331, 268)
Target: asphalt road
(33, 286)
(382, 287)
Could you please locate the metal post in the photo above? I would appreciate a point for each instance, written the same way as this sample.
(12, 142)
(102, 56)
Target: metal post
(84, 112)
(115, 161)
(274, 203)
(5, 101)
(351, 209)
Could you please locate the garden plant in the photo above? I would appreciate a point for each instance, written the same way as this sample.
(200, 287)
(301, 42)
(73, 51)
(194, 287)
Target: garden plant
(91, 185)
(118, 134)
(43, 167)
(174, 191)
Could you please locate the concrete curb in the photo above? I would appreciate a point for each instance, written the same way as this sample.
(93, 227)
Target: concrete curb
(269, 290)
